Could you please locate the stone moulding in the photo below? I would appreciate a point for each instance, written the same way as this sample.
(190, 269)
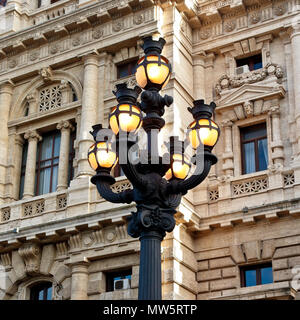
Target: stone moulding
(229, 82)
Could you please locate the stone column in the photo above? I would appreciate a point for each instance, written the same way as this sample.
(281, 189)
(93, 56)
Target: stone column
(33, 138)
(295, 40)
(199, 76)
(6, 91)
(286, 40)
(228, 152)
(63, 167)
(19, 143)
(79, 281)
(276, 144)
(209, 78)
(104, 81)
(88, 112)
(32, 103)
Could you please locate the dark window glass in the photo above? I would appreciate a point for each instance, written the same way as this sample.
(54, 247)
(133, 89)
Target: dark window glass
(41, 291)
(47, 163)
(126, 69)
(53, 1)
(111, 277)
(3, 3)
(71, 156)
(256, 275)
(254, 62)
(23, 168)
(39, 3)
(254, 148)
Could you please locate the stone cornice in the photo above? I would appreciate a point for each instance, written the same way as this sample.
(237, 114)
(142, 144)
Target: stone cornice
(73, 22)
(73, 45)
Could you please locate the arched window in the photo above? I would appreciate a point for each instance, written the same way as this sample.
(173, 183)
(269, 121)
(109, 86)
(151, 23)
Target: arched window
(41, 291)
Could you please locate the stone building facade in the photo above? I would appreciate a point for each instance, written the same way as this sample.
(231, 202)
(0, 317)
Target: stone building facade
(59, 62)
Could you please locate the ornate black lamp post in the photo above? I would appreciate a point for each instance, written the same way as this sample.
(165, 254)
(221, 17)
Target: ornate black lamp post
(157, 187)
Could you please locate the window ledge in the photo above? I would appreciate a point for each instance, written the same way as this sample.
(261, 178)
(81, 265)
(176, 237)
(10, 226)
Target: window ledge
(280, 290)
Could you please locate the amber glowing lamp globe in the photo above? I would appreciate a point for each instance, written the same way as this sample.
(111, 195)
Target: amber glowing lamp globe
(153, 70)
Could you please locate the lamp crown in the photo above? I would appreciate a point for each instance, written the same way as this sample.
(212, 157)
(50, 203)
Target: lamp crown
(125, 94)
(202, 110)
(96, 129)
(151, 46)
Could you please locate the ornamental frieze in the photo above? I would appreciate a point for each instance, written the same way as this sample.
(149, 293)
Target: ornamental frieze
(75, 40)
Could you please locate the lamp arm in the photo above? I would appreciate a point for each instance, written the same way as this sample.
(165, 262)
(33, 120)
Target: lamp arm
(133, 175)
(199, 175)
(105, 191)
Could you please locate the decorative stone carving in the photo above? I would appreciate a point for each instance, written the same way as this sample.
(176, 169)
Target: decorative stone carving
(224, 178)
(12, 63)
(46, 74)
(31, 254)
(117, 26)
(205, 34)
(250, 186)
(54, 48)
(229, 26)
(88, 239)
(34, 55)
(280, 9)
(50, 98)
(5, 214)
(248, 107)
(97, 33)
(76, 41)
(57, 292)
(227, 82)
(289, 179)
(138, 19)
(275, 168)
(213, 195)
(255, 17)
(32, 135)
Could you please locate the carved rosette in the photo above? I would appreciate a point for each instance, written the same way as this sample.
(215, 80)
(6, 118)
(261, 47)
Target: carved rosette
(151, 218)
(31, 254)
(97, 33)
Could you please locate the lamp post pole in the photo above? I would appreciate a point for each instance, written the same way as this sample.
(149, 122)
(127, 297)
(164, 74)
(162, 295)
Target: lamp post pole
(157, 187)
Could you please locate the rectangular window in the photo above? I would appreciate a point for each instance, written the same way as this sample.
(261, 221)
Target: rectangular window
(71, 156)
(126, 69)
(47, 163)
(256, 275)
(254, 145)
(23, 169)
(123, 279)
(253, 62)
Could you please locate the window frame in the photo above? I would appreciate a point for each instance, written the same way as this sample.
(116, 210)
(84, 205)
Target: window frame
(250, 61)
(37, 288)
(256, 267)
(255, 140)
(131, 65)
(109, 285)
(38, 169)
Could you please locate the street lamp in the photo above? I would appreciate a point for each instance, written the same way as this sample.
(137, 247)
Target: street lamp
(157, 187)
